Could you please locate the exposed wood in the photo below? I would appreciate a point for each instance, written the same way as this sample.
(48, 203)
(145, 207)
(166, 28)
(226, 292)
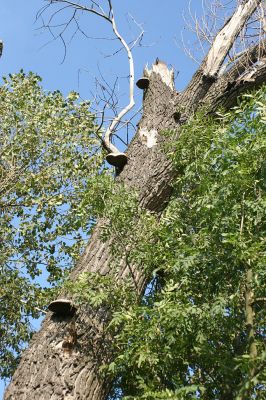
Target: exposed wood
(160, 68)
(208, 72)
(226, 37)
(234, 81)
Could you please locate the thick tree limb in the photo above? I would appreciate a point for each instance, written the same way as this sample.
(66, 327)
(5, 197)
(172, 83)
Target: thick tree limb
(249, 81)
(208, 72)
(227, 36)
(248, 72)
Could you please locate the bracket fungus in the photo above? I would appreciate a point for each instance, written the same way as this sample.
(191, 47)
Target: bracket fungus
(118, 160)
(143, 83)
(63, 307)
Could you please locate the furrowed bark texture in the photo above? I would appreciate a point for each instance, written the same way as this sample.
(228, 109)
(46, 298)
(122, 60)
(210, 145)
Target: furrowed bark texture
(46, 370)
(50, 370)
(250, 317)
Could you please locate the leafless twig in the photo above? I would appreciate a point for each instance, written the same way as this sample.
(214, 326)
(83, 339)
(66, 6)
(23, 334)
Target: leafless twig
(107, 96)
(214, 16)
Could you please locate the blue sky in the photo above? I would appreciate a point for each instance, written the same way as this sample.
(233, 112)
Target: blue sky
(28, 46)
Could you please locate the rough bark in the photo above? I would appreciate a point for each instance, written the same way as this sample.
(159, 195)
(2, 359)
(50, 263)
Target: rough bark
(248, 72)
(249, 302)
(49, 370)
(250, 329)
(46, 371)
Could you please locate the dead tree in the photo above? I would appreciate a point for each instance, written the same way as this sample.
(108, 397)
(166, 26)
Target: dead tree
(46, 370)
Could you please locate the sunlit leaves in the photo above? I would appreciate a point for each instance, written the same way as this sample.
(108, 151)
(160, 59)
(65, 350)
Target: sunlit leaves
(187, 338)
(50, 164)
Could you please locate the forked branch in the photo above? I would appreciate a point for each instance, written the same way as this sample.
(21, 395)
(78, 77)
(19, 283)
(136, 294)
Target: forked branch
(97, 9)
(112, 127)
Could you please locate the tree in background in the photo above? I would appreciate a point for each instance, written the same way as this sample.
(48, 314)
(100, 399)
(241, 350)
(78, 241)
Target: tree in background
(67, 357)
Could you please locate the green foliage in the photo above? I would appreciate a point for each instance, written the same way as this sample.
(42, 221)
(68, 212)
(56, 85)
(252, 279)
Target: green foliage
(101, 291)
(187, 338)
(51, 181)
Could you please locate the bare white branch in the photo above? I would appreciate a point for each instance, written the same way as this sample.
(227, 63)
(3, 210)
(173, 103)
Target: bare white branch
(111, 129)
(226, 37)
(108, 14)
(215, 16)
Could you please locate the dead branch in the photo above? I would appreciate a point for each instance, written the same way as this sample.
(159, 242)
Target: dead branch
(108, 15)
(248, 71)
(224, 40)
(210, 68)
(111, 129)
(215, 17)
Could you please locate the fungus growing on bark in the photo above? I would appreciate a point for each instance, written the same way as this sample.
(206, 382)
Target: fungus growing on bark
(62, 307)
(118, 160)
(143, 83)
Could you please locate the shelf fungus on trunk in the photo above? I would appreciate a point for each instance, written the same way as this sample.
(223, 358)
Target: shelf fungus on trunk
(143, 83)
(62, 307)
(118, 160)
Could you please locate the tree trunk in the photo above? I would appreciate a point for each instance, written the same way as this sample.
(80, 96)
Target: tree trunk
(47, 371)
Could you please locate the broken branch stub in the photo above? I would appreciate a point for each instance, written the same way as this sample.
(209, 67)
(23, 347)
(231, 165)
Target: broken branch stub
(166, 74)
